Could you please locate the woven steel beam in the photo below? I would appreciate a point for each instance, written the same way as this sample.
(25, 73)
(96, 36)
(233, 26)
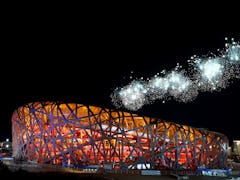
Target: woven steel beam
(61, 133)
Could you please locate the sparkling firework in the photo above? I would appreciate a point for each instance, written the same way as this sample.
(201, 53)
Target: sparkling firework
(233, 52)
(157, 88)
(211, 69)
(181, 88)
(132, 96)
(211, 74)
(177, 82)
(206, 74)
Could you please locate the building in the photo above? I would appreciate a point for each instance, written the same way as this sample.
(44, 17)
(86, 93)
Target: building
(235, 154)
(6, 148)
(236, 147)
(75, 134)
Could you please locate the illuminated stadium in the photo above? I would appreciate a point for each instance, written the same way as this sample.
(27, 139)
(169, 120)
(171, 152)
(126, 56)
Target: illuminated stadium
(75, 134)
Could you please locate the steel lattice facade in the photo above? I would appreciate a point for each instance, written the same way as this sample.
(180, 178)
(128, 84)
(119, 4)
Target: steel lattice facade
(61, 133)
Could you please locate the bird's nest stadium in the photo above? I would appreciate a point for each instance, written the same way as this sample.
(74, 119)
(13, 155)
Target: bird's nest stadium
(75, 134)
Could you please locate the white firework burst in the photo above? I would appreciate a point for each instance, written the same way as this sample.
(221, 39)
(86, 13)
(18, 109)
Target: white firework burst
(233, 52)
(181, 88)
(232, 56)
(132, 96)
(158, 88)
(210, 73)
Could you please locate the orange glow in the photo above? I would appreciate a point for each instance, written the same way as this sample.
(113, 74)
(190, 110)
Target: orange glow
(77, 134)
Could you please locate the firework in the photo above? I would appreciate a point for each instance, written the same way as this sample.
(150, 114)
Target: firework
(211, 73)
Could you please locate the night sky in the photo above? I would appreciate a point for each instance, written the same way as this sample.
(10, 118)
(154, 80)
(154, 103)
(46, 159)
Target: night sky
(86, 65)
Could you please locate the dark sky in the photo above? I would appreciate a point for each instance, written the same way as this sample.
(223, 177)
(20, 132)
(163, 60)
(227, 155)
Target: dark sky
(86, 64)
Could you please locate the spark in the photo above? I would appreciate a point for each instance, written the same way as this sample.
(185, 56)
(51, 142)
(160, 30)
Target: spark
(177, 82)
(132, 96)
(158, 84)
(208, 73)
(233, 52)
(181, 87)
(211, 70)
(211, 74)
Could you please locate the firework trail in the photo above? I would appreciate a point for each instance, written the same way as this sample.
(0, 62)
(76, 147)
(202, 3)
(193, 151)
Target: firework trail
(205, 74)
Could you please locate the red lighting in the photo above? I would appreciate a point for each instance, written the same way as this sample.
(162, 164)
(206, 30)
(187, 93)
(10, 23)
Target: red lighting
(76, 134)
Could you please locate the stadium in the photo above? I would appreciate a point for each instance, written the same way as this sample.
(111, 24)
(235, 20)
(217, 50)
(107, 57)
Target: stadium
(78, 135)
